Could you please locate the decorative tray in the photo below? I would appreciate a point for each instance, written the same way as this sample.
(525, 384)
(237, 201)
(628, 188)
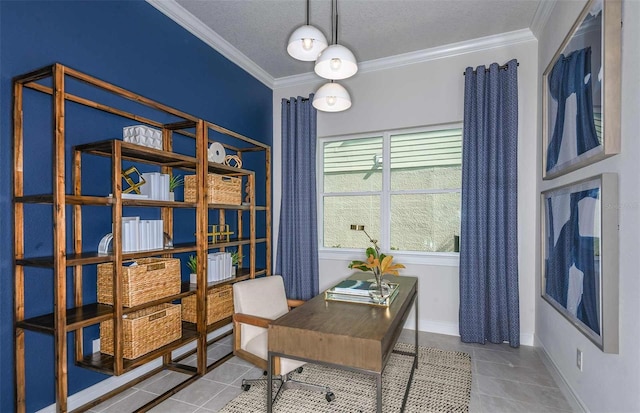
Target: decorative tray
(332, 295)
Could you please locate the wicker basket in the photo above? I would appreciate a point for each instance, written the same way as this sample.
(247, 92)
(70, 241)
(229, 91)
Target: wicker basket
(221, 189)
(219, 305)
(144, 330)
(151, 279)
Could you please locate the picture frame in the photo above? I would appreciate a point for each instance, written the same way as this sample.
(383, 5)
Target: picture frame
(581, 92)
(579, 245)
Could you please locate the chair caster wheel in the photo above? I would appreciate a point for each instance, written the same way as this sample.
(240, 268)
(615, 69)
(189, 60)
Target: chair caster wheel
(330, 397)
(246, 387)
(299, 369)
(264, 372)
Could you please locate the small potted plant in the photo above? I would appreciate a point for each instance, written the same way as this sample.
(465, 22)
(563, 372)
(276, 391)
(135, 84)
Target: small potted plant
(234, 262)
(175, 181)
(192, 264)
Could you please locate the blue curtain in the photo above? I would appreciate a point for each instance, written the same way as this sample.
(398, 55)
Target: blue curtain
(572, 74)
(489, 305)
(297, 259)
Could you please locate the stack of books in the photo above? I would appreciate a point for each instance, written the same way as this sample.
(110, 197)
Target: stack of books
(142, 234)
(357, 291)
(156, 186)
(353, 287)
(218, 266)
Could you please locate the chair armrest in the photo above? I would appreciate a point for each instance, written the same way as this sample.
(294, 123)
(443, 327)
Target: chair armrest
(295, 303)
(251, 320)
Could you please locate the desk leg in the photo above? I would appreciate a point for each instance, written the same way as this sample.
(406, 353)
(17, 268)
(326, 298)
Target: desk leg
(379, 393)
(269, 382)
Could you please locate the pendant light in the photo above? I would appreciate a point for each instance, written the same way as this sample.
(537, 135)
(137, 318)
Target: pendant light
(332, 97)
(306, 42)
(336, 61)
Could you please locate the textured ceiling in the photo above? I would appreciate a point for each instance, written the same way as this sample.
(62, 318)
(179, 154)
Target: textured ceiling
(372, 29)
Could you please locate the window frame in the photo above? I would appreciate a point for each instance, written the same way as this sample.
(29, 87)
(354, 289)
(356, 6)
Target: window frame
(385, 193)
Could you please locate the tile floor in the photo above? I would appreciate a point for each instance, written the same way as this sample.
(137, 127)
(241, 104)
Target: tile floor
(504, 379)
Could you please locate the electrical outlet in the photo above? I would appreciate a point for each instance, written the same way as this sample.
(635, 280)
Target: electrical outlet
(95, 345)
(579, 359)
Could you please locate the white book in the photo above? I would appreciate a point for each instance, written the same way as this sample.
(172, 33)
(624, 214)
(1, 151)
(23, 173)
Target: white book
(157, 234)
(145, 189)
(134, 232)
(164, 181)
(144, 234)
(211, 268)
(229, 265)
(156, 186)
(129, 224)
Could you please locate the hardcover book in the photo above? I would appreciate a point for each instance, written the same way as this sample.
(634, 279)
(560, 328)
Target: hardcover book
(355, 287)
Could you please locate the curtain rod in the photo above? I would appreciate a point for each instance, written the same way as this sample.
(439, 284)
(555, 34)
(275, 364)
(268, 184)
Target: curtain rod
(504, 67)
(302, 99)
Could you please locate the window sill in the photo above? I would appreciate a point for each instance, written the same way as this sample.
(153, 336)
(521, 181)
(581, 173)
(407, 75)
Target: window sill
(446, 259)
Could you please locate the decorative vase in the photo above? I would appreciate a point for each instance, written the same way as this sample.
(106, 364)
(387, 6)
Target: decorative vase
(379, 289)
(172, 196)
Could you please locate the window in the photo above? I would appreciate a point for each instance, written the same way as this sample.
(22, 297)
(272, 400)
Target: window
(403, 186)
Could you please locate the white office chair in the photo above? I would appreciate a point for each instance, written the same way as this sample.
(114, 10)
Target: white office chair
(256, 303)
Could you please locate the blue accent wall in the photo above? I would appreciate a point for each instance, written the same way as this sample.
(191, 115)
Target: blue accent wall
(129, 44)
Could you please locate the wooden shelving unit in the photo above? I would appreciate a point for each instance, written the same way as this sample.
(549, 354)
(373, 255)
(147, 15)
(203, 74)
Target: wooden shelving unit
(68, 200)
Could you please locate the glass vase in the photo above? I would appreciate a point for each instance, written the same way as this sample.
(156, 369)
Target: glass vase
(379, 289)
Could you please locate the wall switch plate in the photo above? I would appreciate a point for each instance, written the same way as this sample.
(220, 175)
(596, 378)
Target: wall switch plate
(95, 344)
(579, 359)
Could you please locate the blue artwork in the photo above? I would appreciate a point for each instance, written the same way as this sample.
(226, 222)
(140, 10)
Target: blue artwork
(572, 256)
(574, 131)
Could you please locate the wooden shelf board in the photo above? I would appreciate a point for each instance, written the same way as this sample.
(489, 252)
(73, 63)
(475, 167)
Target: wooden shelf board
(133, 152)
(103, 363)
(77, 317)
(92, 257)
(69, 199)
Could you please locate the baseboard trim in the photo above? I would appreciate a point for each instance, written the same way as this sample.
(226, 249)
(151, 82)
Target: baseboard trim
(576, 404)
(105, 386)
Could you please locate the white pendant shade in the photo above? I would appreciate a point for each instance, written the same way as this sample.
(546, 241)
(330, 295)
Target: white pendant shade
(306, 42)
(332, 97)
(336, 62)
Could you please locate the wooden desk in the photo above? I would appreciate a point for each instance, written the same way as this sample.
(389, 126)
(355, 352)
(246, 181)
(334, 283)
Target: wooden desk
(351, 336)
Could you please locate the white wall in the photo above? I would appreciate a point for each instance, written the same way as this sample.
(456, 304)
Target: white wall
(608, 382)
(430, 93)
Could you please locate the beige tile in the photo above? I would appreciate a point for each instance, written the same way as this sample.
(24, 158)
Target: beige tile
(174, 406)
(515, 373)
(548, 396)
(500, 405)
(115, 399)
(217, 351)
(227, 373)
(199, 392)
(163, 383)
(136, 400)
(523, 359)
(222, 398)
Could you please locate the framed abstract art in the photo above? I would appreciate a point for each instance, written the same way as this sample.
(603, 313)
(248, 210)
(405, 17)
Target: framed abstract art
(580, 256)
(581, 92)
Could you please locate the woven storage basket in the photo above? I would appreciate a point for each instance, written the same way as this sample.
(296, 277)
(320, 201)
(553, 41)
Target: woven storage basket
(151, 279)
(219, 305)
(221, 189)
(144, 330)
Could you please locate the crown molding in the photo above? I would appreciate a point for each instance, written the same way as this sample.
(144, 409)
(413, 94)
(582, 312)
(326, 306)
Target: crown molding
(181, 16)
(193, 25)
(540, 18)
(449, 50)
